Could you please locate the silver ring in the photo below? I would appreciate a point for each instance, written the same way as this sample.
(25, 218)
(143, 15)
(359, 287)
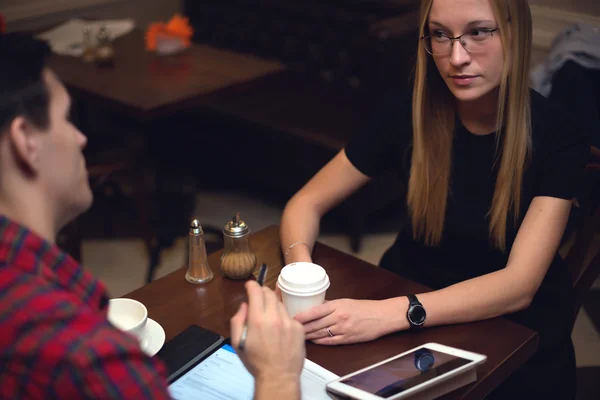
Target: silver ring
(329, 332)
(243, 338)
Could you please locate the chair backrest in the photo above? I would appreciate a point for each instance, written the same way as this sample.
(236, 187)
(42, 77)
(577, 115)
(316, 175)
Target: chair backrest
(349, 44)
(583, 259)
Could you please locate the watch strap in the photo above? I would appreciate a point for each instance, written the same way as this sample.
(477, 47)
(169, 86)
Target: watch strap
(412, 300)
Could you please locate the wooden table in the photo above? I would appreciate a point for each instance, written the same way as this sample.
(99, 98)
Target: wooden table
(146, 86)
(176, 304)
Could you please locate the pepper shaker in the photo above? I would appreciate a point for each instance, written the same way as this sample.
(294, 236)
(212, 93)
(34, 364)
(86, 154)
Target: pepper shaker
(198, 269)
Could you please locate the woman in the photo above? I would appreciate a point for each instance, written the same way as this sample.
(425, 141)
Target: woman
(490, 169)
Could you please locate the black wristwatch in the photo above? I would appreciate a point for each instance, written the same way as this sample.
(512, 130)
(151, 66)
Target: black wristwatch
(416, 312)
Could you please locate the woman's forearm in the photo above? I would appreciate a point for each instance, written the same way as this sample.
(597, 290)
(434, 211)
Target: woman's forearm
(299, 224)
(301, 218)
(507, 290)
(476, 299)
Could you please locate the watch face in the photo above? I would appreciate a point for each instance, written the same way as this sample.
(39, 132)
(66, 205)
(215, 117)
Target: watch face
(417, 315)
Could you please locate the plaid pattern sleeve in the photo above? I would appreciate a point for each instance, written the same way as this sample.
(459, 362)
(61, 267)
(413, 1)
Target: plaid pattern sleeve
(55, 340)
(107, 364)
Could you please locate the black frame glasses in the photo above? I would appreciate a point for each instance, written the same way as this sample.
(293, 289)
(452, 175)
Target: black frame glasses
(429, 47)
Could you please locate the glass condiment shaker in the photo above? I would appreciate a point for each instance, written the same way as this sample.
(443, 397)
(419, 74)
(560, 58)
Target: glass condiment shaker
(89, 51)
(105, 52)
(238, 260)
(198, 269)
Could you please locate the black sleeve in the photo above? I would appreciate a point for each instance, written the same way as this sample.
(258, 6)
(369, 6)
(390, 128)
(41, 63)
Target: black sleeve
(383, 143)
(562, 159)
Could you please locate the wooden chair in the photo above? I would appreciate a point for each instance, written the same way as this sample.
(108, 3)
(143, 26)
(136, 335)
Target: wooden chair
(582, 259)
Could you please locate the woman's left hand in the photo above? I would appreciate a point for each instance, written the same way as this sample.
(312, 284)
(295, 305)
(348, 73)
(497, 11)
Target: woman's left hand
(349, 321)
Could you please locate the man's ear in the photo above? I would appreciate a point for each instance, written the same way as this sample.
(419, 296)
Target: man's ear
(25, 144)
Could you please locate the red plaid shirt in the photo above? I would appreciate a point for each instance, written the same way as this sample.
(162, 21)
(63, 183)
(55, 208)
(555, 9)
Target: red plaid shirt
(55, 340)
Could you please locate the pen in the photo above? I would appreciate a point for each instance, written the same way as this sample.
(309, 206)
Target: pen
(261, 280)
(262, 274)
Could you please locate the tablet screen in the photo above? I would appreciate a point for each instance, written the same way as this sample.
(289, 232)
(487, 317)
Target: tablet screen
(220, 376)
(412, 369)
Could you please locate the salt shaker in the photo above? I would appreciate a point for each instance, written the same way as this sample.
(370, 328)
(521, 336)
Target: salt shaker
(238, 260)
(198, 269)
(105, 51)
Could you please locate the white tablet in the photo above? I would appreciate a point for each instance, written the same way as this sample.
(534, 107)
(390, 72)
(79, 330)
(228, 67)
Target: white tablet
(408, 373)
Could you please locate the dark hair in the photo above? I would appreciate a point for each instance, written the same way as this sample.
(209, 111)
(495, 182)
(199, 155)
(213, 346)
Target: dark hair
(23, 91)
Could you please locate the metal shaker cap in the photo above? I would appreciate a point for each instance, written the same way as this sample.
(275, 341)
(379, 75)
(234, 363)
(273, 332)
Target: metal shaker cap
(103, 35)
(195, 227)
(236, 227)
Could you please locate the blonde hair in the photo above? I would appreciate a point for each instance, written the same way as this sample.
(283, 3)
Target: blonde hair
(433, 130)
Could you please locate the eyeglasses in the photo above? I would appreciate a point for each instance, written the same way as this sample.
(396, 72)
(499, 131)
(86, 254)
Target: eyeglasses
(474, 41)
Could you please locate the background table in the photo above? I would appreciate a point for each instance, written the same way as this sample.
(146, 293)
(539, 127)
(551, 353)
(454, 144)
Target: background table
(145, 86)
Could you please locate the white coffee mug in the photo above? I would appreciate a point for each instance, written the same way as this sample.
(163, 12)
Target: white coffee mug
(128, 315)
(303, 285)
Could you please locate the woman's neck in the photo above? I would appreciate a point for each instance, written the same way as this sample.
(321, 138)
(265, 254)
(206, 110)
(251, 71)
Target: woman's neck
(479, 116)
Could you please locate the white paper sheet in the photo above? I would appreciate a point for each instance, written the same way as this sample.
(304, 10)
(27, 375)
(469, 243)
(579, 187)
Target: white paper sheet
(67, 39)
(222, 376)
(313, 381)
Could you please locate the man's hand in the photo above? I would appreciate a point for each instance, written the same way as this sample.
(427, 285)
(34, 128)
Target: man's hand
(274, 350)
(349, 321)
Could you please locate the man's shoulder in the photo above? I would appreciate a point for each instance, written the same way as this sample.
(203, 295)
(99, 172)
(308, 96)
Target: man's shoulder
(43, 316)
(53, 337)
(27, 297)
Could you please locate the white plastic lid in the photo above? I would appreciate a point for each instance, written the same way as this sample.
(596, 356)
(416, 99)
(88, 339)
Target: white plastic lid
(303, 279)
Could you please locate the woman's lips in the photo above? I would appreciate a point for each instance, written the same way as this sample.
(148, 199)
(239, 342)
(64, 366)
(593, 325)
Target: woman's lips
(464, 80)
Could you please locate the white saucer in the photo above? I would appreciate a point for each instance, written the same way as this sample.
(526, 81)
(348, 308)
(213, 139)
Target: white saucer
(153, 338)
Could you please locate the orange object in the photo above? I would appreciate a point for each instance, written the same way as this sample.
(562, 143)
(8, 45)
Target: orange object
(2, 23)
(177, 27)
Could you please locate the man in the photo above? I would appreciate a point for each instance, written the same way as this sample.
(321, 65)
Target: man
(55, 340)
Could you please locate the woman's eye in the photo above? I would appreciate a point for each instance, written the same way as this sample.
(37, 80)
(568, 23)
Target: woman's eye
(439, 36)
(480, 33)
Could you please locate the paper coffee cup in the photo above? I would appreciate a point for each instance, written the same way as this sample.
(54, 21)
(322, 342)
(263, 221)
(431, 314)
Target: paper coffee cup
(303, 285)
(128, 315)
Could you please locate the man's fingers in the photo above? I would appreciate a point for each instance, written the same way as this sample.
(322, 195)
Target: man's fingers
(271, 303)
(237, 324)
(278, 293)
(256, 301)
(282, 310)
